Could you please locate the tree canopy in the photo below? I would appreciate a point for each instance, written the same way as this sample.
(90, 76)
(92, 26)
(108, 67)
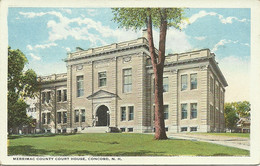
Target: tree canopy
(21, 84)
(136, 18)
(234, 111)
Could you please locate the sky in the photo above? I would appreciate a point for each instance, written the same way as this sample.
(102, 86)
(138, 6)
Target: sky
(46, 35)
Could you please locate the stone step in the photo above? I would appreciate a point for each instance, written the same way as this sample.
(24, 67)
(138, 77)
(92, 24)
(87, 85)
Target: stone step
(97, 129)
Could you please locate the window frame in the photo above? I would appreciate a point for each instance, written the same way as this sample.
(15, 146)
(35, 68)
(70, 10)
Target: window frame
(48, 118)
(192, 129)
(186, 111)
(44, 118)
(196, 80)
(192, 111)
(59, 98)
(59, 117)
(211, 84)
(48, 97)
(123, 118)
(80, 85)
(182, 129)
(43, 97)
(65, 97)
(76, 115)
(83, 116)
(182, 82)
(166, 112)
(102, 78)
(130, 114)
(64, 116)
(129, 85)
(211, 110)
(165, 85)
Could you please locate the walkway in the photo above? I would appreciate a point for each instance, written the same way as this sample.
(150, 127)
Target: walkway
(237, 142)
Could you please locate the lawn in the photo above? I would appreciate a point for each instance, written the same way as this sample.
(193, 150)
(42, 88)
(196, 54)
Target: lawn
(247, 135)
(114, 144)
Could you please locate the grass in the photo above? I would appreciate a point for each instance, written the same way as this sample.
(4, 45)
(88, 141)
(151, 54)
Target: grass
(114, 144)
(247, 135)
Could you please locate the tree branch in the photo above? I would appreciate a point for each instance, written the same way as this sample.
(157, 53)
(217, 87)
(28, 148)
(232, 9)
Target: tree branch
(163, 30)
(150, 38)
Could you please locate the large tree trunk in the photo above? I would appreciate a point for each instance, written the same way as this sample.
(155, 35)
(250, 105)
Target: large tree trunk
(158, 66)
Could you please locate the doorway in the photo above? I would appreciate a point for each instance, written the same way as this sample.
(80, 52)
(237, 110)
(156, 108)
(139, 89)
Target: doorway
(102, 114)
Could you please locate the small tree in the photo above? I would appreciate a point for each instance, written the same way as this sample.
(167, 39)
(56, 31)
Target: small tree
(21, 84)
(231, 117)
(161, 18)
(235, 110)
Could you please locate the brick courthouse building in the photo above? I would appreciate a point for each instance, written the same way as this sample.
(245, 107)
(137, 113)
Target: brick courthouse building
(113, 86)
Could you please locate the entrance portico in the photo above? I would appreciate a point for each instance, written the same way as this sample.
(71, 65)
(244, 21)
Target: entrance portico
(104, 112)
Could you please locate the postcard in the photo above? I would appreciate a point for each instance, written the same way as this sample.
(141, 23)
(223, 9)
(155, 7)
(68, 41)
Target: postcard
(129, 82)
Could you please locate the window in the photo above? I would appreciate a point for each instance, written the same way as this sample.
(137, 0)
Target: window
(131, 112)
(64, 117)
(43, 118)
(64, 130)
(76, 115)
(183, 129)
(65, 95)
(184, 82)
(217, 117)
(58, 95)
(166, 111)
(193, 128)
(166, 129)
(43, 97)
(123, 113)
(122, 129)
(59, 117)
(211, 84)
(217, 91)
(102, 79)
(193, 81)
(48, 98)
(83, 116)
(183, 111)
(165, 84)
(48, 118)
(130, 129)
(193, 112)
(80, 87)
(127, 80)
(211, 112)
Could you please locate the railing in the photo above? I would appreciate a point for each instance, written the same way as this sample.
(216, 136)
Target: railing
(53, 77)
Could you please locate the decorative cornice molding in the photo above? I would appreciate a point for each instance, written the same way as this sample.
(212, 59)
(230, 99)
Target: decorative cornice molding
(174, 71)
(203, 67)
(107, 52)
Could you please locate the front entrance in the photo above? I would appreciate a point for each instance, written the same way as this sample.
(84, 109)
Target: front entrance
(102, 115)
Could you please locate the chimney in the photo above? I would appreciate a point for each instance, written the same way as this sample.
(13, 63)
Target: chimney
(145, 35)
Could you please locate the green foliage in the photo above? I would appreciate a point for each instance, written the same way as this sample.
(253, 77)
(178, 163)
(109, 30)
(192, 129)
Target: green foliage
(235, 110)
(21, 84)
(136, 18)
(115, 144)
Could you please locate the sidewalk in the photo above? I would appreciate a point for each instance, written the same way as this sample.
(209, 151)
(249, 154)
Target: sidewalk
(237, 142)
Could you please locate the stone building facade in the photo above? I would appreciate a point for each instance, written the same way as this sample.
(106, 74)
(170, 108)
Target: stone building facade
(113, 87)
